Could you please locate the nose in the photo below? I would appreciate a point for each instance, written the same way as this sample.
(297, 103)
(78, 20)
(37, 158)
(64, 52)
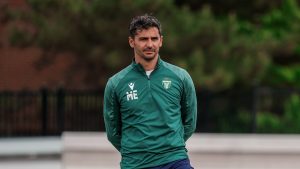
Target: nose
(149, 43)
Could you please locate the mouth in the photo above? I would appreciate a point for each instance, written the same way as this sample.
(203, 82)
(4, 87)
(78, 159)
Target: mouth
(149, 52)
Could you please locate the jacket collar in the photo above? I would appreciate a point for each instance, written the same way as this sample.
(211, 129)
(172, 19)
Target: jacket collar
(139, 67)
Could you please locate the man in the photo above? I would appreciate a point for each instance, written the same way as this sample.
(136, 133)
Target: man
(150, 107)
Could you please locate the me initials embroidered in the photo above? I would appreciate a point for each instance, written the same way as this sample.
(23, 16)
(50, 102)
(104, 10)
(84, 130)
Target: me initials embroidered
(132, 95)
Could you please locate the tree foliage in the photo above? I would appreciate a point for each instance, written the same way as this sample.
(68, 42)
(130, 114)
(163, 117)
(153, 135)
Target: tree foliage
(219, 52)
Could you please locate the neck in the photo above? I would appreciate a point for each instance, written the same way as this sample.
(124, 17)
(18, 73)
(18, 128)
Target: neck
(147, 64)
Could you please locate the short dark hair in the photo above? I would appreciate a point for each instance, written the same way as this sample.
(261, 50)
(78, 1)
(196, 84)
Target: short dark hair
(145, 21)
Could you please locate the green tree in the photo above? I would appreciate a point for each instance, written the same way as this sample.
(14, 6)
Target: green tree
(246, 9)
(219, 52)
(95, 32)
(283, 24)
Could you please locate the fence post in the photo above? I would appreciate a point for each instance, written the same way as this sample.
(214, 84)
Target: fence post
(255, 102)
(44, 110)
(203, 99)
(60, 109)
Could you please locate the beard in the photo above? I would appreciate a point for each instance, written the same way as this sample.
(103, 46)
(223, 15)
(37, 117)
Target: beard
(149, 57)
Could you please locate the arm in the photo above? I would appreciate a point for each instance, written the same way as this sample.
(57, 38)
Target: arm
(111, 113)
(188, 107)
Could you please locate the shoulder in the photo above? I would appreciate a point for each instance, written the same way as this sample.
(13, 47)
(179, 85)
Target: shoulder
(116, 78)
(178, 71)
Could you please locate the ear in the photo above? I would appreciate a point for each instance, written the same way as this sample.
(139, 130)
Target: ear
(131, 41)
(161, 41)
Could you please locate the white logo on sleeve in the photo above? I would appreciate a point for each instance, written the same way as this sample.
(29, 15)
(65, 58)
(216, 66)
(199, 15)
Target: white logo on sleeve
(132, 94)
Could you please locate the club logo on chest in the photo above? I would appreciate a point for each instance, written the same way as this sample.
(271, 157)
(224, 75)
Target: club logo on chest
(166, 83)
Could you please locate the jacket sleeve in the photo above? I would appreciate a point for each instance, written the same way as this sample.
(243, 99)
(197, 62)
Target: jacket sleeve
(111, 113)
(188, 107)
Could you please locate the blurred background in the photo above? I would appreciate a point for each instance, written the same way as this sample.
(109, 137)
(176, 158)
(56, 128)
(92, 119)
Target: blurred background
(57, 55)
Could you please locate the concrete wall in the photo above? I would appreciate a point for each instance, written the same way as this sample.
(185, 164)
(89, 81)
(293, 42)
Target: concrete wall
(207, 151)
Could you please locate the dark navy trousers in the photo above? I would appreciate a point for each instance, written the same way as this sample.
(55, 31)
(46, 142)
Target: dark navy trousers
(178, 164)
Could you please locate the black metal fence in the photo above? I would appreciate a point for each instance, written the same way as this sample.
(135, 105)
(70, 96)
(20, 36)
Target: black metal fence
(47, 112)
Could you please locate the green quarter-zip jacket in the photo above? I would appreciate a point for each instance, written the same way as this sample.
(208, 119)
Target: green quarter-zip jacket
(149, 119)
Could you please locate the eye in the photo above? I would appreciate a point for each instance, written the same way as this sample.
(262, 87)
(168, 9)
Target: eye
(143, 39)
(154, 39)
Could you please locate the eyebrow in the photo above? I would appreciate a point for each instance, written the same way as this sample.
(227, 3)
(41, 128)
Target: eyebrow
(146, 37)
